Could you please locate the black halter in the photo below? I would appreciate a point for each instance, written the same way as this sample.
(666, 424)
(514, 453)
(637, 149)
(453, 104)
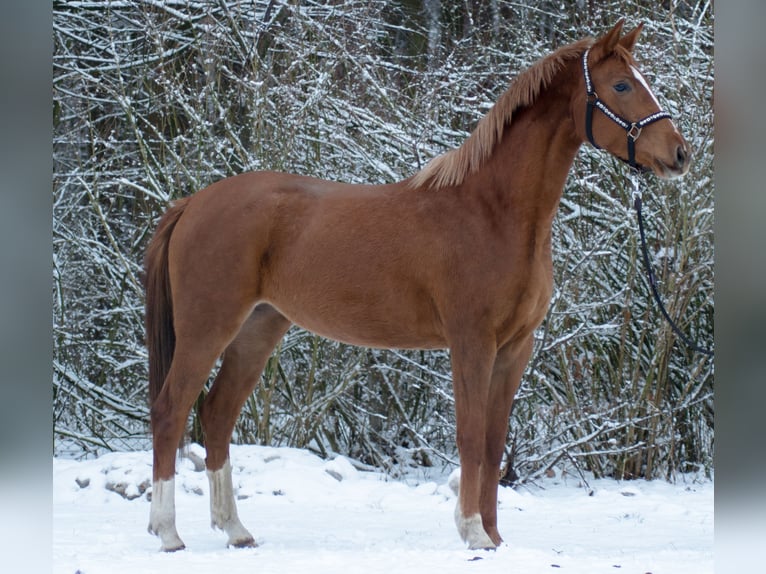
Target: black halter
(633, 129)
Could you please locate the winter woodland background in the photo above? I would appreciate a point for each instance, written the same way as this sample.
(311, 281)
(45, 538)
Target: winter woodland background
(154, 100)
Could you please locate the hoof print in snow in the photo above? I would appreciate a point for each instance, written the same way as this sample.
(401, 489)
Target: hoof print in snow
(120, 488)
(82, 482)
(128, 491)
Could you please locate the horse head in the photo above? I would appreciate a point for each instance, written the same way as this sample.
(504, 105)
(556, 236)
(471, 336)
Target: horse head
(615, 109)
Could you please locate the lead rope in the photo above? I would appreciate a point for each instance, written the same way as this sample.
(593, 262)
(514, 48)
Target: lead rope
(650, 274)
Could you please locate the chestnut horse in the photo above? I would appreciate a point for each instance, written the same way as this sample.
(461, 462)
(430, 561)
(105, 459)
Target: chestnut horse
(457, 256)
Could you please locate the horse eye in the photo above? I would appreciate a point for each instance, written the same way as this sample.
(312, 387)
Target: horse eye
(621, 87)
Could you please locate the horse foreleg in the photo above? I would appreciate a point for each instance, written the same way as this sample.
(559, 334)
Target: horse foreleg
(509, 366)
(471, 367)
(243, 362)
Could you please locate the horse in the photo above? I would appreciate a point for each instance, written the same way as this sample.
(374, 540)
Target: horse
(456, 256)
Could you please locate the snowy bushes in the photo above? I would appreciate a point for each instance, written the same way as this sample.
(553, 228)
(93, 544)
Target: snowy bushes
(153, 101)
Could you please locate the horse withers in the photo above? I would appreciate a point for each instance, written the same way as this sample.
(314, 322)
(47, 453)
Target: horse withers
(457, 256)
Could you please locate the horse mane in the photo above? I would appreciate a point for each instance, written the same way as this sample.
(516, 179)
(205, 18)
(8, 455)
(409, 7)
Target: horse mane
(452, 167)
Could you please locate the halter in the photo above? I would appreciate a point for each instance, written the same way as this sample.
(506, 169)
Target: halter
(633, 129)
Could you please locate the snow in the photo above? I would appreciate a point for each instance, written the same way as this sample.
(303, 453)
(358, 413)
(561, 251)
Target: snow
(313, 515)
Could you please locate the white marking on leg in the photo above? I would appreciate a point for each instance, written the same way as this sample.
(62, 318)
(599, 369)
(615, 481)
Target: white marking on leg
(162, 516)
(472, 530)
(223, 507)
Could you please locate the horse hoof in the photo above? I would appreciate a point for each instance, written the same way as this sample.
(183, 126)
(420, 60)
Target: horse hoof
(170, 540)
(244, 543)
(472, 532)
(482, 545)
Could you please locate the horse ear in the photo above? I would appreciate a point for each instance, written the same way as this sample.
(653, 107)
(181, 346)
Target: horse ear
(629, 39)
(607, 43)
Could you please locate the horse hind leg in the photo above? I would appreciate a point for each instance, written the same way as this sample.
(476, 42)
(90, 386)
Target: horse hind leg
(243, 362)
(192, 361)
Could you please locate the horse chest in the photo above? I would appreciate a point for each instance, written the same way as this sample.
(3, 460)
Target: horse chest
(525, 303)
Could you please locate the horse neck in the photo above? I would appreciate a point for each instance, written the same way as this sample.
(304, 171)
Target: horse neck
(525, 175)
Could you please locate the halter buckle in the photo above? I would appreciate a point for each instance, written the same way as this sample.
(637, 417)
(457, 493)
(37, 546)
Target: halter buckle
(634, 131)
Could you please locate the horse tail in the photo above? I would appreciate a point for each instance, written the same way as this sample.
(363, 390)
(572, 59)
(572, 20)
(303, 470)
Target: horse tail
(160, 333)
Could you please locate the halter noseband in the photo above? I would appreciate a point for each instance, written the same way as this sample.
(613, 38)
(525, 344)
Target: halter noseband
(633, 129)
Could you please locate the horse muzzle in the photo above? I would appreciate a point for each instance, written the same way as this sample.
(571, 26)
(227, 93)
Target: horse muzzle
(677, 165)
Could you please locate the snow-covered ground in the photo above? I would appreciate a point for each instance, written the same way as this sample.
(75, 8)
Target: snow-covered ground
(311, 515)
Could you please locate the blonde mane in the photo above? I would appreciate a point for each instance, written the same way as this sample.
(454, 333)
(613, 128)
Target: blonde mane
(452, 167)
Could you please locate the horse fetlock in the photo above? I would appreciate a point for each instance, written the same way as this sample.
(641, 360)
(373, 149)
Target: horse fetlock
(168, 535)
(223, 508)
(162, 516)
(472, 531)
(239, 536)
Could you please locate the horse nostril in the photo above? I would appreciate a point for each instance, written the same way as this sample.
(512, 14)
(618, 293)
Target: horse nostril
(680, 156)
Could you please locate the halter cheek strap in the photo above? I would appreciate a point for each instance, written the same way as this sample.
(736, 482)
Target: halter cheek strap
(633, 129)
